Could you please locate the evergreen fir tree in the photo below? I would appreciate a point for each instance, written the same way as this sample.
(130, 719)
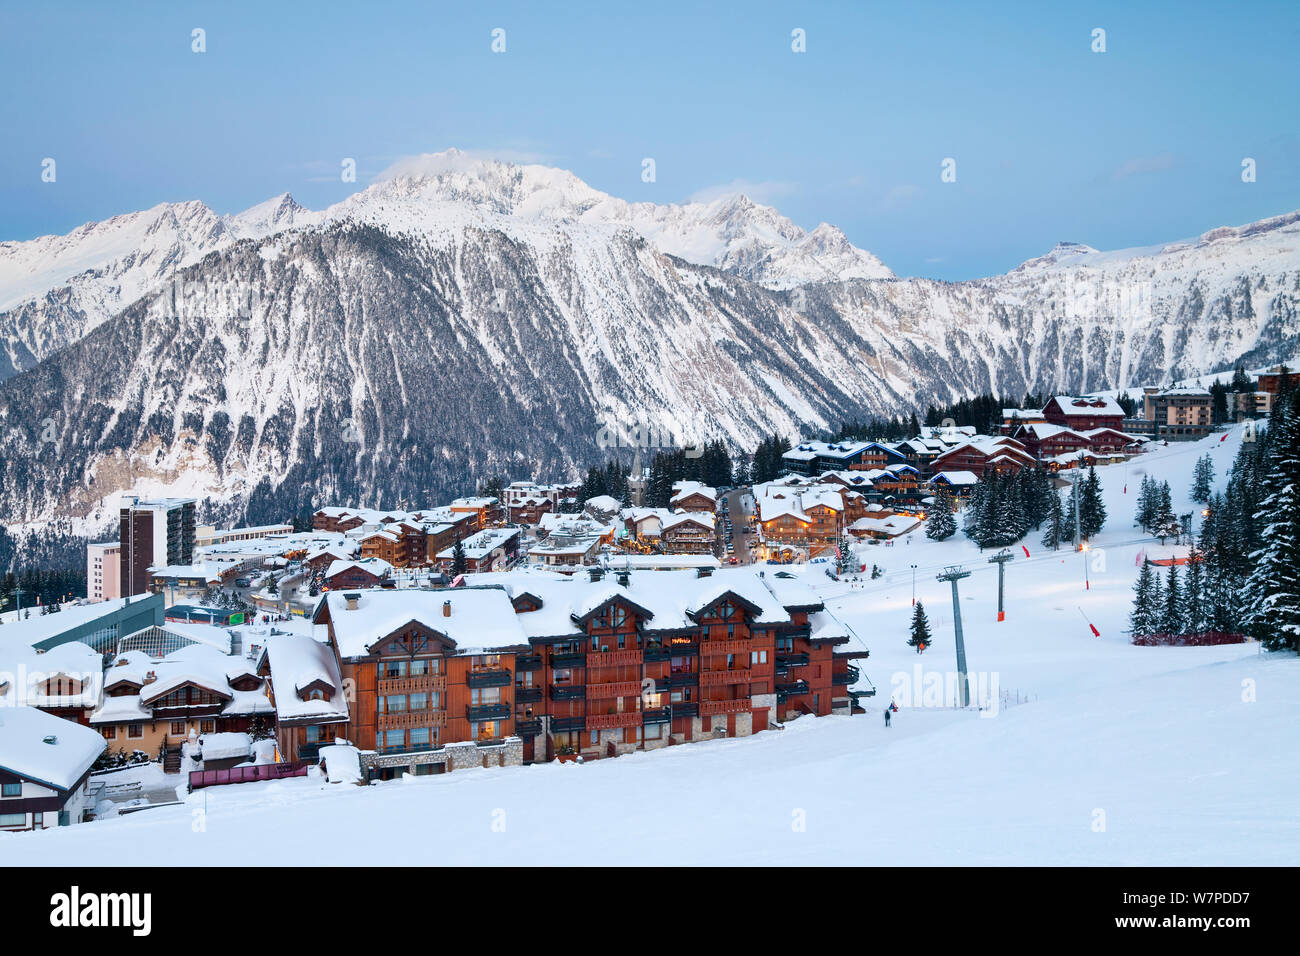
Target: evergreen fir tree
(1144, 619)
(1203, 478)
(1171, 617)
(975, 524)
(1194, 594)
(940, 524)
(920, 628)
(1146, 504)
(1055, 533)
(458, 564)
(1092, 511)
(1273, 588)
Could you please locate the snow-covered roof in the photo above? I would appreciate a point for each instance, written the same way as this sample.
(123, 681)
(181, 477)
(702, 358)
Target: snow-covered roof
(893, 525)
(807, 450)
(46, 749)
(605, 504)
(26, 672)
(298, 661)
(775, 502)
(480, 617)
(670, 597)
(685, 489)
(1045, 430)
(225, 745)
(956, 478)
(473, 503)
(482, 544)
(341, 762)
(376, 566)
(703, 518)
(197, 664)
(41, 627)
(1071, 405)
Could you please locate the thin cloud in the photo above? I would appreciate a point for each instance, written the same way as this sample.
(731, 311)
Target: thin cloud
(1141, 165)
(450, 160)
(901, 195)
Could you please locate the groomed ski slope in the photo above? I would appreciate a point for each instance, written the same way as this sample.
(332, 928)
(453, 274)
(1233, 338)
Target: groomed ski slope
(1121, 756)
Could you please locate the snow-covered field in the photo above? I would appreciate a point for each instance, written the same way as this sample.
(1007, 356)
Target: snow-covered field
(1121, 755)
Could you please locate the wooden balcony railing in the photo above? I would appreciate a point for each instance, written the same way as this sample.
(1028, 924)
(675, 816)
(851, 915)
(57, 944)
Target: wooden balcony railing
(627, 688)
(411, 718)
(423, 684)
(723, 677)
(726, 647)
(629, 718)
(624, 658)
(712, 708)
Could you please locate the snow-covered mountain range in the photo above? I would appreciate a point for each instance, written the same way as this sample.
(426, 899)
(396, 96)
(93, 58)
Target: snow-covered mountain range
(464, 316)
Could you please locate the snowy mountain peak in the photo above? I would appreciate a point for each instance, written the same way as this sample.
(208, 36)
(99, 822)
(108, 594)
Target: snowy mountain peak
(278, 212)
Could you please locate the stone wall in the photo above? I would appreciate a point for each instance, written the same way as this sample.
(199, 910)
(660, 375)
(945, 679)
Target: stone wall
(455, 756)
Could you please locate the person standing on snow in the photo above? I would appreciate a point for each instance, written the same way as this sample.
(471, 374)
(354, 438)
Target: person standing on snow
(886, 716)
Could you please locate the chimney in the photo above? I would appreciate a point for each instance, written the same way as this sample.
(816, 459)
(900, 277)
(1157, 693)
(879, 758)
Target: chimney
(150, 677)
(51, 739)
(351, 600)
(624, 578)
(703, 572)
(596, 574)
(446, 609)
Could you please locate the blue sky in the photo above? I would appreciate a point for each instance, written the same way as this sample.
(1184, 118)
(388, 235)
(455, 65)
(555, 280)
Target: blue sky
(1137, 145)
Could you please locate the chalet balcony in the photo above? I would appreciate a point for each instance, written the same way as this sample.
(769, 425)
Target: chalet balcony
(715, 708)
(530, 727)
(656, 654)
(488, 711)
(411, 718)
(847, 676)
(721, 678)
(569, 659)
(726, 647)
(623, 658)
(684, 650)
(524, 663)
(627, 688)
(791, 689)
(799, 630)
(568, 691)
(685, 709)
(800, 659)
(869, 691)
(560, 725)
(684, 679)
(489, 677)
(628, 718)
(420, 684)
(528, 695)
(656, 715)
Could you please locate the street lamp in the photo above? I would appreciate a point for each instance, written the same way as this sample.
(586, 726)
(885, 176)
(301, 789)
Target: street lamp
(914, 585)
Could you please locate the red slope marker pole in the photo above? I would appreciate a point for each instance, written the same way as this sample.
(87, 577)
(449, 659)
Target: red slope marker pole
(1095, 632)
